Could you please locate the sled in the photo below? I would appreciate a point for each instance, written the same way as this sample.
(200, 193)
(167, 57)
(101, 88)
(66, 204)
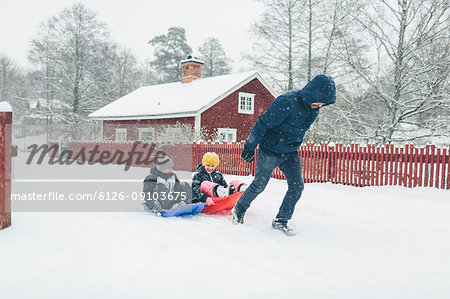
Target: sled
(180, 211)
(223, 205)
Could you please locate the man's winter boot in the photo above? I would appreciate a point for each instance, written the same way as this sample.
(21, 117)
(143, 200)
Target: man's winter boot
(236, 217)
(282, 226)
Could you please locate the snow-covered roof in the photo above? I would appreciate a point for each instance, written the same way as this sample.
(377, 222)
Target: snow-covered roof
(175, 99)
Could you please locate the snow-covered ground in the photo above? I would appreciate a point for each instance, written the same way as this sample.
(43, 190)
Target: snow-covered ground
(373, 242)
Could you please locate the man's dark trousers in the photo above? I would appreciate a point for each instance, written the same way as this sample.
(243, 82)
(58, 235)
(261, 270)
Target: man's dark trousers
(265, 164)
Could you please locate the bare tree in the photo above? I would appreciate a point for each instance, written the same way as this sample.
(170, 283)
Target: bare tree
(127, 71)
(148, 74)
(407, 84)
(216, 61)
(334, 22)
(298, 39)
(348, 119)
(13, 85)
(77, 56)
(280, 42)
(8, 77)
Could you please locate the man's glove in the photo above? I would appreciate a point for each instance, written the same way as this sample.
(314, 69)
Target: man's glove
(210, 201)
(248, 154)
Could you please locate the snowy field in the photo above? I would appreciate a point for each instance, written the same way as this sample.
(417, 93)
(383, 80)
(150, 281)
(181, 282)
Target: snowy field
(373, 242)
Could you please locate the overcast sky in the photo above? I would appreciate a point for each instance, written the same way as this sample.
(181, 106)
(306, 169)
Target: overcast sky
(134, 22)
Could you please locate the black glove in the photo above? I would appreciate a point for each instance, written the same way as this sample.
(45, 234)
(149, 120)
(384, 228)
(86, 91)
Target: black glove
(248, 154)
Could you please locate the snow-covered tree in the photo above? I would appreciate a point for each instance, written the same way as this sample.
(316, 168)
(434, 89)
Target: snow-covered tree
(296, 40)
(407, 82)
(278, 43)
(127, 71)
(216, 61)
(345, 120)
(9, 72)
(12, 85)
(148, 74)
(77, 56)
(169, 50)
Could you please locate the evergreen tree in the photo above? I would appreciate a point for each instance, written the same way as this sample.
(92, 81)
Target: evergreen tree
(169, 50)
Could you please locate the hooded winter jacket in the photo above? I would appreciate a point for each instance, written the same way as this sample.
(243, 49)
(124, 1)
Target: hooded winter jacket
(168, 180)
(157, 187)
(200, 176)
(282, 127)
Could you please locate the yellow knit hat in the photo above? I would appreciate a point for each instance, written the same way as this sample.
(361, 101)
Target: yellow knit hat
(210, 159)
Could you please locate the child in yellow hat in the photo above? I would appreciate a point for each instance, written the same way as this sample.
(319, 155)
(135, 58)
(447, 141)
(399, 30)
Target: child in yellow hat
(207, 172)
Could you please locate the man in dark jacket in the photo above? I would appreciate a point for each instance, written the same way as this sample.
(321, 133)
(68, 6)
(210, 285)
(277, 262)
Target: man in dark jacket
(279, 132)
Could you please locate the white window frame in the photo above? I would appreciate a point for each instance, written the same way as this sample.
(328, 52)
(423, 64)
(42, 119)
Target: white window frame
(228, 133)
(146, 130)
(121, 134)
(248, 107)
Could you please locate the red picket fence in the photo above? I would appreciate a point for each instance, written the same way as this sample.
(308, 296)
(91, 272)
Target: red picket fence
(350, 165)
(339, 164)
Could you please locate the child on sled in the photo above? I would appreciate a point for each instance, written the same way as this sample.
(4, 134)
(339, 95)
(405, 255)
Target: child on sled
(208, 183)
(162, 188)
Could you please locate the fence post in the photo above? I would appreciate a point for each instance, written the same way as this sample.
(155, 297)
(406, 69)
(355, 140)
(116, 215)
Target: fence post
(421, 163)
(416, 165)
(432, 160)
(438, 160)
(365, 168)
(410, 165)
(373, 168)
(346, 164)
(391, 163)
(448, 169)
(377, 166)
(340, 167)
(405, 166)
(426, 165)
(443, 160)
(354, 165)
(5, 164)
(330, 161)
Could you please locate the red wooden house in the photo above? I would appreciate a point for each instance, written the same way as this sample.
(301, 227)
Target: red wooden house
(224, 106)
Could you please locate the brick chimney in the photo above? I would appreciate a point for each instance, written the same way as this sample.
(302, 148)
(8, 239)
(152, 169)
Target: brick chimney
(192, 69)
